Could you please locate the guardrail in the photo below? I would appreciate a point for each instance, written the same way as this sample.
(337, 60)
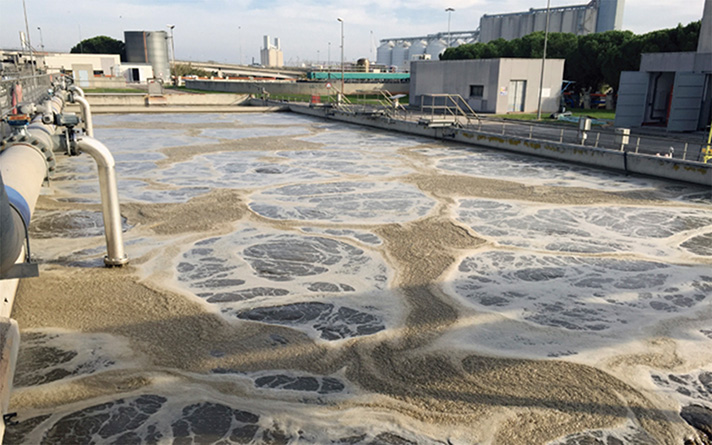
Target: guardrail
(23, 89)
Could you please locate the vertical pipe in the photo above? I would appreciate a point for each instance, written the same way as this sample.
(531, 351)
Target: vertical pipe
(86, 115)
(109, 200)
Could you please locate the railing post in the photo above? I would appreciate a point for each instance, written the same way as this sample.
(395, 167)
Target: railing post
(598, 136)
(561, 136)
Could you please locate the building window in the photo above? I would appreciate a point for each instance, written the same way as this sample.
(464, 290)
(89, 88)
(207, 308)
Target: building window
(477, 90)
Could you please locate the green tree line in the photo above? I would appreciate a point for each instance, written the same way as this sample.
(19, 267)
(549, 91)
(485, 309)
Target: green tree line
(593, 60)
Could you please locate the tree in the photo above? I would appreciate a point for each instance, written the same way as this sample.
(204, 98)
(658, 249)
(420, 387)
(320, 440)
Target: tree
(592, 60)
(100, 45)
(186, 69)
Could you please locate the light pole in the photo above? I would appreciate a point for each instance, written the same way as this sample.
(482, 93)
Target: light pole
(543, 59)
(29, 44)
(328, 61)
(173, 56)
(41, 39)
(239, 39)
(449, 14)
(342, 55)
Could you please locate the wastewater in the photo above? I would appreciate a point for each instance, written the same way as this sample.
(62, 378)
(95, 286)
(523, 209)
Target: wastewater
(295, 280)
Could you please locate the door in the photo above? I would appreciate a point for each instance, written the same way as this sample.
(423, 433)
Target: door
(686, 102)
(632, 97)
(517, 92)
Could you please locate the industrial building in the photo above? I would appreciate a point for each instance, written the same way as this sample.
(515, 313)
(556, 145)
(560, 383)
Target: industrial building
(149, 47)
(671, 90)
(271, 55)
(596, 16)
(490, 85)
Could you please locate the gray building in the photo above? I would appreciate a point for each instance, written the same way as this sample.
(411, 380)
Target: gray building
(671, 90)
(596, 16)
(490, 85)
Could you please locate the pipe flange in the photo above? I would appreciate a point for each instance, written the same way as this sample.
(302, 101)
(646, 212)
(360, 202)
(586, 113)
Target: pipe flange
(35, 143)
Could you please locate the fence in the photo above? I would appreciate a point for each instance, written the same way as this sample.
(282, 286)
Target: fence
(25, 89)
(686, 148)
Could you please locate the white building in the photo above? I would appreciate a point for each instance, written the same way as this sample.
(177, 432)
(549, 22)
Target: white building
(271, 55)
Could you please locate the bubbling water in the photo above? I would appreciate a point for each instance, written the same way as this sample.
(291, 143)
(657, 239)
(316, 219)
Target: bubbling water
(301, 281)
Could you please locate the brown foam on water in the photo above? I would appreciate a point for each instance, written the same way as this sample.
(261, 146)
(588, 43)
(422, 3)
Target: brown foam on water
(483, 397)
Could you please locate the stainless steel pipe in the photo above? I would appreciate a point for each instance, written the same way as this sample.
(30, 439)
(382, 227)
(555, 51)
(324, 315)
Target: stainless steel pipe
(109, 199)
(86, 115)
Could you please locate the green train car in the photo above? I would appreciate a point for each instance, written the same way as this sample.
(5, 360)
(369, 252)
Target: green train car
(359, 76)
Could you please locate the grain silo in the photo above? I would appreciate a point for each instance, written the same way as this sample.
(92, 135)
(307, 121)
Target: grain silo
(400, 55)
(435, 48)
(383, 53)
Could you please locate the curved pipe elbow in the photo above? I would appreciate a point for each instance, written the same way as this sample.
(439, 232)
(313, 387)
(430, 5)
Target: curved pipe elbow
(76, 89)
(109, 199)
(98, 151)
(86, 113)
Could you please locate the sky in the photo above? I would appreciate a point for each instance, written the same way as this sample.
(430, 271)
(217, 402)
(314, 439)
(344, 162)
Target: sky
(232, 31)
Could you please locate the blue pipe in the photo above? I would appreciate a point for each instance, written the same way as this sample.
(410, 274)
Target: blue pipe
(14, 218)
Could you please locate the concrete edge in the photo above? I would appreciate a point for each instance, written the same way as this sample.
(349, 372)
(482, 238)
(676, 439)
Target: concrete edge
(9, 348)
(625, 162)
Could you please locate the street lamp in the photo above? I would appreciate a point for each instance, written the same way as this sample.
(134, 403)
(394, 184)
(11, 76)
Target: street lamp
(342, 55)
(41, 39)
(543, 59)
(173, 55)
(328, 61)
(449, 14)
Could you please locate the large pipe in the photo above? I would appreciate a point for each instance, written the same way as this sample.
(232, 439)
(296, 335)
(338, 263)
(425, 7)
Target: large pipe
(109, 199)
(12, 234)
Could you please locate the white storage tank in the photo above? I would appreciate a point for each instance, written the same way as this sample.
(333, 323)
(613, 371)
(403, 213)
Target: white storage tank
(435, 48)
(383, 53)
(400, 55)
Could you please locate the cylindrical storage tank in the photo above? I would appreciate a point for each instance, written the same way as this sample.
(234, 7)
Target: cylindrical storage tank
(157, 46)
(435, 48)
(383, 53)
(400, 55)
(135, 47)
(363, 65)
(149, 47)
(418, 48)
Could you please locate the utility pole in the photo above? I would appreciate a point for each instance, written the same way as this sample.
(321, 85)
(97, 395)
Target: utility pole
(543, 60)
(29, 44)
(342, 56)
(173, 56)
(41, 39)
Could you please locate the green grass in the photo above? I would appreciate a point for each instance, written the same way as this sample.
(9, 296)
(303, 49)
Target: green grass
(359, 99)
(113, 90)
(594, 113)
(191, 90)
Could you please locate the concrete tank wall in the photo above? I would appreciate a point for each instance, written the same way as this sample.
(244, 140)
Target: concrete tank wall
(668, 168)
